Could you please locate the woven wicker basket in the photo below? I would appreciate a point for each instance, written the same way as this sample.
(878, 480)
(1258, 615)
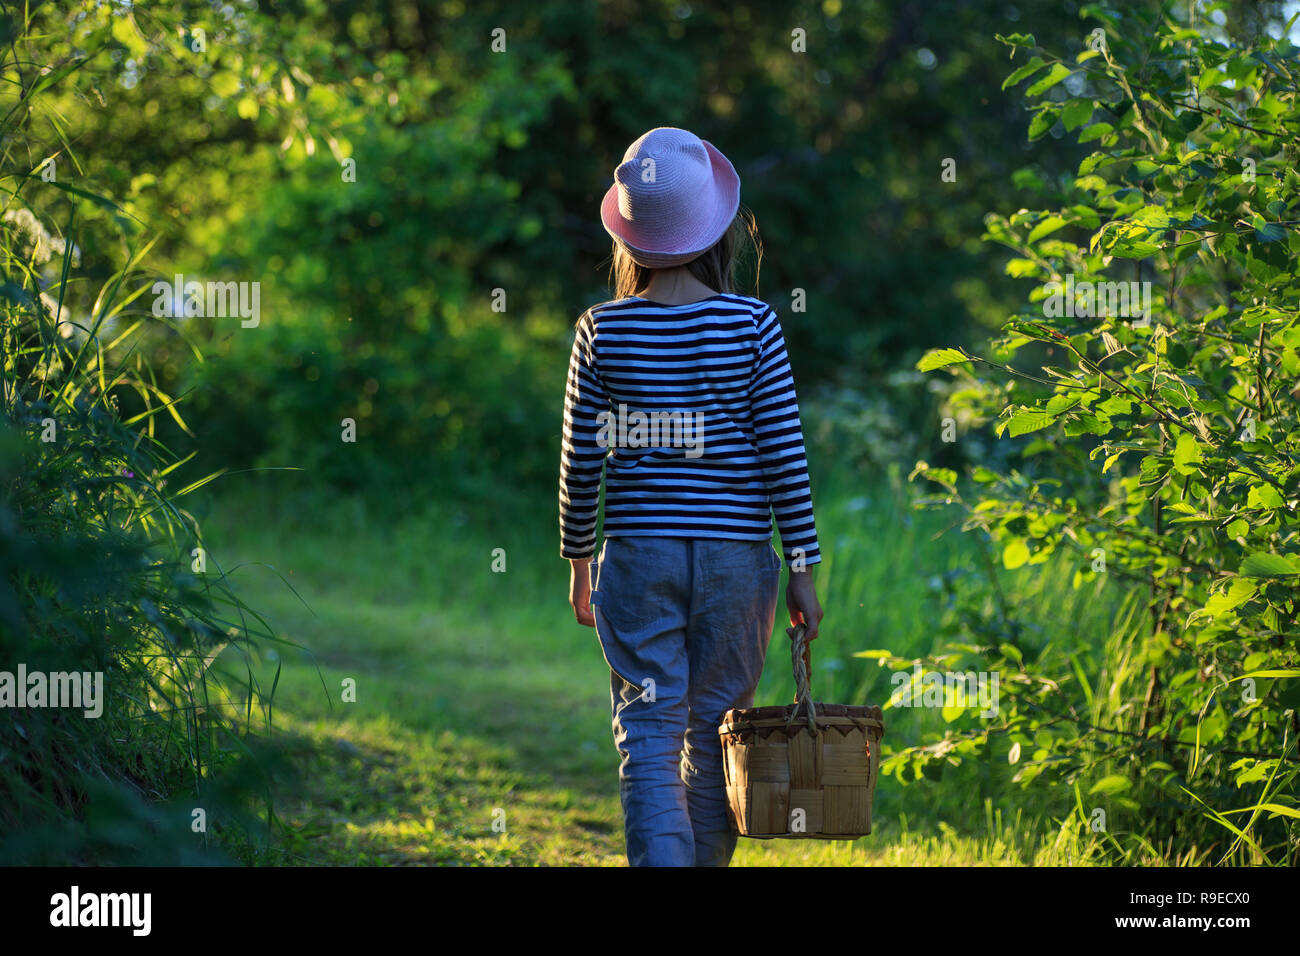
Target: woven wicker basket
(801, 777)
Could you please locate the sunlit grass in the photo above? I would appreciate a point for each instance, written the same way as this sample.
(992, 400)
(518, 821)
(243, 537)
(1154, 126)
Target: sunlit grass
(476, 692)
(1020, 844)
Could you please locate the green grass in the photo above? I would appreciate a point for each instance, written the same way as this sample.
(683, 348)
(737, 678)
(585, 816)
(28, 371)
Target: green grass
(479, 699)
(473, 693)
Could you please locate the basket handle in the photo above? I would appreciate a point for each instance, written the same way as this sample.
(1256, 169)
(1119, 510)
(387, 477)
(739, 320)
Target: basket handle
(801, 659)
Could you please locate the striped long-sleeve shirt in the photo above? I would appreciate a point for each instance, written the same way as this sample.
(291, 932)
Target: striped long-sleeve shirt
(691, 412)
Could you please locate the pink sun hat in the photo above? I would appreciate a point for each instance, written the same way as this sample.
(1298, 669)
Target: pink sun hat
(674, 196)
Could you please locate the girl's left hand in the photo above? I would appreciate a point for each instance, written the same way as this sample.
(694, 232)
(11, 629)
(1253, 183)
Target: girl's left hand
(580, 591)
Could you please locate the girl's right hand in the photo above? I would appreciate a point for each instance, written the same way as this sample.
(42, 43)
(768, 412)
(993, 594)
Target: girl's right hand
(801, 601)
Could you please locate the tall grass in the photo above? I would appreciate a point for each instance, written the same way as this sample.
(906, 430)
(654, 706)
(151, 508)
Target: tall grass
(894, 577)
(102, 571)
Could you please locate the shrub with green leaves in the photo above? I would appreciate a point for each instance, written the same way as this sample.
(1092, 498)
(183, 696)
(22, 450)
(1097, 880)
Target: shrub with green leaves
(101, 571)
(1160, 456)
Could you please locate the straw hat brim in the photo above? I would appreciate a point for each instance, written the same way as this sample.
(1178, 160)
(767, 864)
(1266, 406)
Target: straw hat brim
(723, 203)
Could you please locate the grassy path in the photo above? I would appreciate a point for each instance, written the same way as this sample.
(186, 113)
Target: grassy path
(460, 721)
(479, 733)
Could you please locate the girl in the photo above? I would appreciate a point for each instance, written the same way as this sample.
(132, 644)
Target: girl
(680, 389)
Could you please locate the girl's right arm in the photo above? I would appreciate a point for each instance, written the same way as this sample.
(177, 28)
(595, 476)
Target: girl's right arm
(581, 460)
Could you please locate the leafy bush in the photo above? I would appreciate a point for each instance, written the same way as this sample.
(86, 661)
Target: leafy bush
(394, 325)
(1162, 452)
(101, 572)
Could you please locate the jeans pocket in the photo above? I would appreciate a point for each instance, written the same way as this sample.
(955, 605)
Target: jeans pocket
(775, 563)
(633, 583)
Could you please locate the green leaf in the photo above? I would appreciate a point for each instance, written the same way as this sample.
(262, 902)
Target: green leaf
(1077, 112)
(1263, 496)
(1045, 228)
(1116, 405)
(1056, 74)
(1155, 217)
(940, 358)
(1060, 404)
(1186, 454)
(1015, 554)
(1258, 771)
(1016, 39)
(1092, 162)
(225, 84)
(1264, 565)
(1095, 131)
(1028, 420)
(1129, 241)
(1043, 121)
(942, 476)
(1033, 66)
(1086, 217)
(1238, 593)
(1113, 784)
(1269, 231)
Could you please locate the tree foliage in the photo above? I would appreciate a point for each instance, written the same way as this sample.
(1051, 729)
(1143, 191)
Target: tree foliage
(102, 571)
(1161, 454)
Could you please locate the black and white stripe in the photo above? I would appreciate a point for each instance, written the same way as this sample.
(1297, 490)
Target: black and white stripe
(724, 357)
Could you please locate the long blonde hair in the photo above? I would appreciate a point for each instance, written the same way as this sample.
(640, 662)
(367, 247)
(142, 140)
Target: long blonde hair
(716, 267)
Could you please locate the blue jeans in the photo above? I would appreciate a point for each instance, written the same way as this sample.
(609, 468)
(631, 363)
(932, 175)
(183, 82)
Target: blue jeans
(684, 624)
